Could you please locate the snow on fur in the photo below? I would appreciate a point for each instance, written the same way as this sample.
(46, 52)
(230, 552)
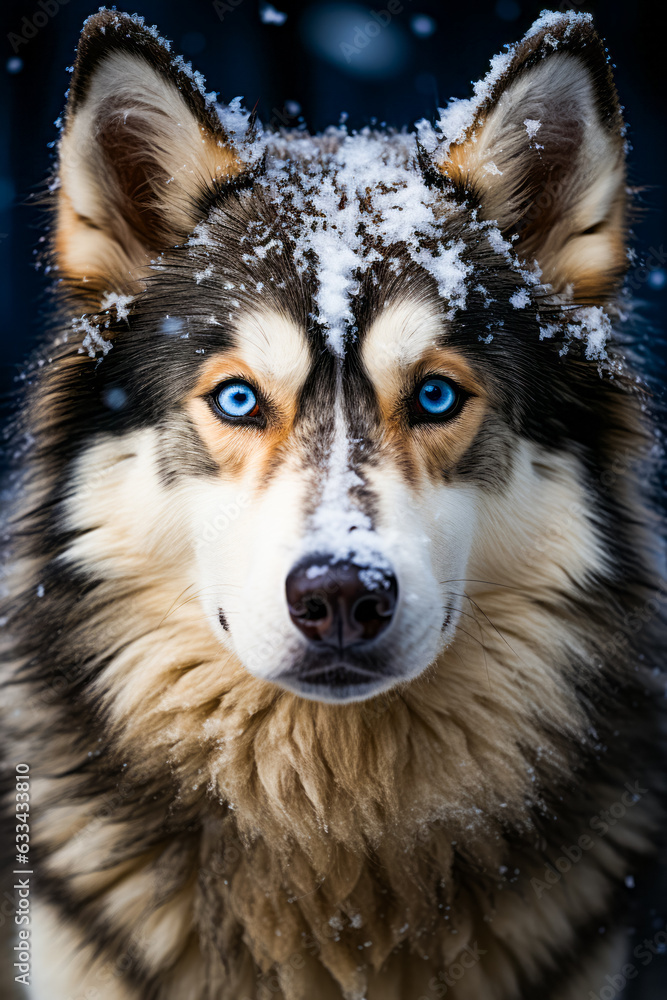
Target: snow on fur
(460, 115)
(346, 201)
(351, 197)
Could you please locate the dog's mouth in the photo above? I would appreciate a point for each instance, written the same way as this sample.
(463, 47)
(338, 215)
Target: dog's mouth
(339, 674)
(334, 677)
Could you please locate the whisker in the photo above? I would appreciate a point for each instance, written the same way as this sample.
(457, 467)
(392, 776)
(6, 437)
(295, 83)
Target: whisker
(471, 636)
(197, 595)
(496, 629)
(486, 583)
(175, 601)
(460, 611)
(480, 640)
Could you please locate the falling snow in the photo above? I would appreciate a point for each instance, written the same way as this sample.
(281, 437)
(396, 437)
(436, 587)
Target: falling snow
(269, 15)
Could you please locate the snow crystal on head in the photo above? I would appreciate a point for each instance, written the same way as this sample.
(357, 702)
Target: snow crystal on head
(351, 198)
(92, 326)
(555, 18)
(120, 303)
(236, 122)
(520, 299)
(92, 341)
(532, 126)
(460, 113)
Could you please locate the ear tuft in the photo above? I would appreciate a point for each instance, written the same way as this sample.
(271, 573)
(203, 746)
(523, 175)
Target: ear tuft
(540, 150)
(143, 151)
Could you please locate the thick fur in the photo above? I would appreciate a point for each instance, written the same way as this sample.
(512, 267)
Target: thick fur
(200, 829)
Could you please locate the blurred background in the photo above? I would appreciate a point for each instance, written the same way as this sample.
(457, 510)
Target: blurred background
(313, 64)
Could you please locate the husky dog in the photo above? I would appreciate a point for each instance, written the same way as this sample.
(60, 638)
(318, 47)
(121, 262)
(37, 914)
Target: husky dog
(332, 623)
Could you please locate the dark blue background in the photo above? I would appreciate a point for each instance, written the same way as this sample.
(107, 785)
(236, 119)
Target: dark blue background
(399, 76)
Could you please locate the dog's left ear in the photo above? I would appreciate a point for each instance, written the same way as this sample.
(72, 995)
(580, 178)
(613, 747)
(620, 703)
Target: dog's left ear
(143, 150)
(544, 155)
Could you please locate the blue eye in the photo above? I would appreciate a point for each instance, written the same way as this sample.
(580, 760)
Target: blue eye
(237, 399)
(437, 397)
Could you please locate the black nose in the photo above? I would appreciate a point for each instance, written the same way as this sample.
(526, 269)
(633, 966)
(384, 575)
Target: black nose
(338, 603)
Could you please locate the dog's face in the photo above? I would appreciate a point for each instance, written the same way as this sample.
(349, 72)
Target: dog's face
(348, 553)
(335, 403)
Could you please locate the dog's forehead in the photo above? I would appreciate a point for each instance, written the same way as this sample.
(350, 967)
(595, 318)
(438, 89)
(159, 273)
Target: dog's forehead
(338, 247)
(398, 333)
(333, 228)
(282, 354)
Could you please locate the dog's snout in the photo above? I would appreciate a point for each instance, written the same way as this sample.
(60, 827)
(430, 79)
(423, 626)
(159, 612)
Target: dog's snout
(340, 604)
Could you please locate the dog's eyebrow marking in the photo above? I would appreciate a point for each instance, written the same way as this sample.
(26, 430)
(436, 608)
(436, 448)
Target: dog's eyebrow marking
(397, 339)
(405, 334)
(274, 347)
(399, 336)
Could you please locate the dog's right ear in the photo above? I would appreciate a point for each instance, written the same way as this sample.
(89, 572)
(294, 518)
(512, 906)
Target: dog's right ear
(540, 151)
(142, 151)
